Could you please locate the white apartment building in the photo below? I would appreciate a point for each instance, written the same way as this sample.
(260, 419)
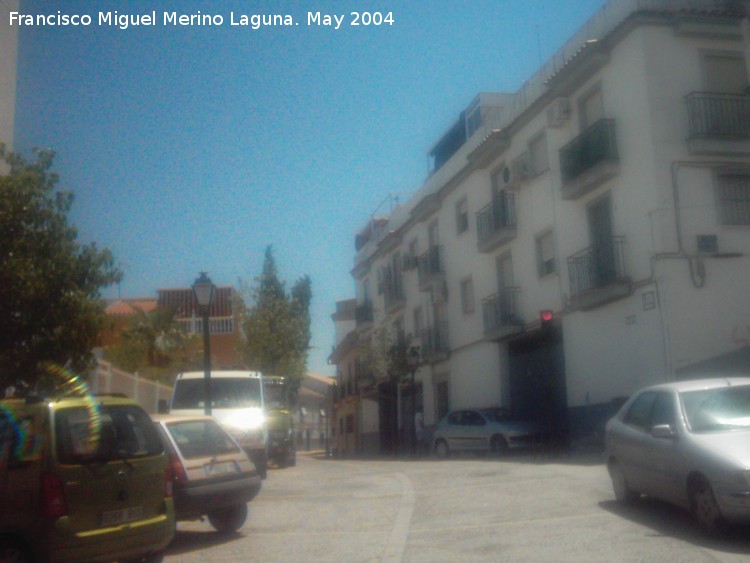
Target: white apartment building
(8, 63)
(612, 191)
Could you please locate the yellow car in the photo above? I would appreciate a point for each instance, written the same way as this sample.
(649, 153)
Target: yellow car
(82, 479)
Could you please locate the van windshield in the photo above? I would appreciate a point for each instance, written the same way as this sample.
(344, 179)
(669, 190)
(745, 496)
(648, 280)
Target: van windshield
(274, 392)
(226, 393)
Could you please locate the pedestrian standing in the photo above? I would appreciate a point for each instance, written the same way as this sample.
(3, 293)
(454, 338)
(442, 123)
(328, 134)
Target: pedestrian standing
(419, 429)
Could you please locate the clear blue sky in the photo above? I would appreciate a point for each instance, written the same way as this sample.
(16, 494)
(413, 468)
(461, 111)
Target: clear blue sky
(193, 148)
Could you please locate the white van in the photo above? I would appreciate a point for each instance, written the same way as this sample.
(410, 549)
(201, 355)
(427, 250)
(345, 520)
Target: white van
(236, 402)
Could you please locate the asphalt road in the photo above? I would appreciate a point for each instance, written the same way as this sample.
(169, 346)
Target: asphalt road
(520, 508)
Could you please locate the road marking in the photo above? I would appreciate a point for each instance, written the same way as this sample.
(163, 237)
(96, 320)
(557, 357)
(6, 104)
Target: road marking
(394, 548)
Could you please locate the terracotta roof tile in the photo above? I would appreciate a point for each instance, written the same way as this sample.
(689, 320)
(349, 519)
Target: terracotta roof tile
(129, 306)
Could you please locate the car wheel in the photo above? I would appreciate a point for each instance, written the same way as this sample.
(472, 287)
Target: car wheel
(442, 450)
(261, 463)
(705, 509)
(14, 552)
(154, 557)
(227, 520)
(498, 445)
(623, 493)
(281, 461)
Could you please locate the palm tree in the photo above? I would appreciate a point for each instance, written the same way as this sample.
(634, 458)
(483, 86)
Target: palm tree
(159, 332)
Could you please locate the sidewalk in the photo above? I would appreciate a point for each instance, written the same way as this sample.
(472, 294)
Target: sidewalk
(575, 456)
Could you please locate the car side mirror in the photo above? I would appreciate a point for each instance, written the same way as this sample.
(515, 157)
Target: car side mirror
(663, 431)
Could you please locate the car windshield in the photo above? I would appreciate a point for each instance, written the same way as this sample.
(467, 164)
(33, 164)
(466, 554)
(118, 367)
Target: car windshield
(711, 410)
(104, 433)
(201, 438)
(226, 393)
(496, 415)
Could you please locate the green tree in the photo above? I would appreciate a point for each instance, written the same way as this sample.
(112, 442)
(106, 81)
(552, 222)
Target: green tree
(51, 311)
(155, 345)
(383, 357)
(159, 332)
(277, 325)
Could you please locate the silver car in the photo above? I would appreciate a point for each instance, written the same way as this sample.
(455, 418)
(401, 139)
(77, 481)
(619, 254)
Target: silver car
(482, 430)
(687, 443)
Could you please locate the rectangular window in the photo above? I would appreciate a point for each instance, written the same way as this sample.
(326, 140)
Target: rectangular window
(545, 253)
(725, 72)
(538, 152)
(462, 216)
(734, 199)
(442, 399)
(413, 249)
(467, 296)
(398, 332)
(418, 325)
(590, 108)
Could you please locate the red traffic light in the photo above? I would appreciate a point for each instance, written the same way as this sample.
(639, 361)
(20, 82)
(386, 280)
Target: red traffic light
(545, 316)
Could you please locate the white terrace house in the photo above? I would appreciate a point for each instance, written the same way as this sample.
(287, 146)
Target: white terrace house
(612, 189)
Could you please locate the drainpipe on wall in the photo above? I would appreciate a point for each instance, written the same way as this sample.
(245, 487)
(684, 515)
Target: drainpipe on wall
(697, 270)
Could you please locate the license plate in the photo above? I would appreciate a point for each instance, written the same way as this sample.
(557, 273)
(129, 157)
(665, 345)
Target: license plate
(220, 468)
(115, 517)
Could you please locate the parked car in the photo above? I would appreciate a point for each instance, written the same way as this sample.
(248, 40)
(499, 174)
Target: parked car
(482, 430)
(82, 479)
(687, 443)
(213, 476)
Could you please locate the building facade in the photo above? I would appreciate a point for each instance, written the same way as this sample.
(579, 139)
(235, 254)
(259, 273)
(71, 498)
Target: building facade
(582, 237)
(223, 321)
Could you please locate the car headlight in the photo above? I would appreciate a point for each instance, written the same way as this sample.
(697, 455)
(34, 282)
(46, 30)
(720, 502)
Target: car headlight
(246, 421)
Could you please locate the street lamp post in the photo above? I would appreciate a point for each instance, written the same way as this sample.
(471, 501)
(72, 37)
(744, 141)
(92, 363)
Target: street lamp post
(412, 360)
(204, 291)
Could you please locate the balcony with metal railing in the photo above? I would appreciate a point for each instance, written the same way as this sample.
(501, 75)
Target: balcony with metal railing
(364, 374)
(393, 293)
(496, 222)
(363, 315)
(430, 266)
(718, 123)
(597, 274)
(501, 315)
(589, 160)
(434, 343)
(216, 325)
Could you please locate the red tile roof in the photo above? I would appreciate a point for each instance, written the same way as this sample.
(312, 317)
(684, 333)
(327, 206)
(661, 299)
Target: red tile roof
(129, 306)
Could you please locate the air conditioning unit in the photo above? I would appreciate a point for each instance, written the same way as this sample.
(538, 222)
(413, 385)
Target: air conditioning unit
(558, 112)
(708, 244)
(518, 171)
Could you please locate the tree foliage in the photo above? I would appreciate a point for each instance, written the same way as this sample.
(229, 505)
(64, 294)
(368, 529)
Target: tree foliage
(154, 345)
(385, 357)
(277, 325)
(50, 311)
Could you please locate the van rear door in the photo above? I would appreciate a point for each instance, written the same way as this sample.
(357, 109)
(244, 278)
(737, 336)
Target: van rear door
(113, 466)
